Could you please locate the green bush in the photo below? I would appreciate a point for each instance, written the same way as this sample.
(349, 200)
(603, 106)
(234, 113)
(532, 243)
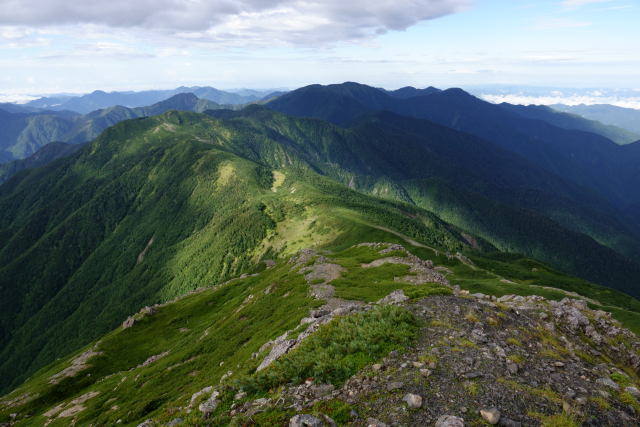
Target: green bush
(339, 349)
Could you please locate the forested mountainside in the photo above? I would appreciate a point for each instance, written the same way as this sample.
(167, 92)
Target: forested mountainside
(24, 133)
(157, 207)
(584, 158)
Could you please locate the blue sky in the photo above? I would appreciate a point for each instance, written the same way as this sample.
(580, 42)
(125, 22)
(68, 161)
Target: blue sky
(49, 46)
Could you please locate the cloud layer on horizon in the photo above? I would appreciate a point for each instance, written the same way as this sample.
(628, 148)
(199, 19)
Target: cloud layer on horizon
(287, 21)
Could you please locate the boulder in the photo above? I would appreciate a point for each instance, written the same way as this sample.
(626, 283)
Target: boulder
(304, 420)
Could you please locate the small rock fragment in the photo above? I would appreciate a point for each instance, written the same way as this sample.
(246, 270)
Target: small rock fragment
(414, 401)
(394, 386)
(449, 421)
(372, 422)
(304, 420)
(633, 391)
(608, 382)
(490, 415)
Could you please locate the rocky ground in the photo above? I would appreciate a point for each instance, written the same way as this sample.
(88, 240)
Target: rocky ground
(510, 361)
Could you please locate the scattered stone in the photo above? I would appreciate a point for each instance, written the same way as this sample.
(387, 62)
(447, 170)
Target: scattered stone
(146, 423)
(413, 400)
(425, 372)
(395, 297)
(129, 322)
(175, 422)
(472, 375)
(304, 420)
(449, 421)
(377, 367)
(394, 386)
(608, 382)
(78, 364)
(372, 422)
(240, 395)
(209, 405)
(633, 391)
(506, 422)
(196, 395)
(491, 415)
(152, 359)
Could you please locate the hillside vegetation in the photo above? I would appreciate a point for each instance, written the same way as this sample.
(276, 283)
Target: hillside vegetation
(159, 207)
(200, 366)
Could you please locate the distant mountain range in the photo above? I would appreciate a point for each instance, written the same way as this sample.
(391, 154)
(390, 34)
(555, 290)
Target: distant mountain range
(163, 202)
(626, 118)
(23, 133)
(584, 158)
(99, 99)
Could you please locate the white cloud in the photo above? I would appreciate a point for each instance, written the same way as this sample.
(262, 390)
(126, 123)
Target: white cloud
(557, 97)
(575, 4)
(288, 21)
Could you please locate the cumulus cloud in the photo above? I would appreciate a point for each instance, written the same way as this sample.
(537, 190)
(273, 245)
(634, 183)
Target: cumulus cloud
(291, 21)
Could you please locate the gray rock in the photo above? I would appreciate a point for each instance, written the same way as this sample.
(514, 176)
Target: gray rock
(209, 405)
(197, 394)
(304, 420)
(146, 423)
(175, 422)
(490, 415)
(395, 297)
(372, 422)
(472, 375)
(328, 420)
(633, 391)
(394, 386)
(449, 421)
(413, 400)
(608, 382)
(512, 368)
(280, 348)
(322, 390)
(129, 322)
(506, 422)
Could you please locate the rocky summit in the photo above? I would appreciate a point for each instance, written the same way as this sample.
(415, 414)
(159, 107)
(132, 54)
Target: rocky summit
(411, 350)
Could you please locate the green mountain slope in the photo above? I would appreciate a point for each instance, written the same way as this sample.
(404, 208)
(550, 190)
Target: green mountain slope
(155, 208)
(43, 156)
(22, 134)
(584, 158)
(392, 156)
(164, 363)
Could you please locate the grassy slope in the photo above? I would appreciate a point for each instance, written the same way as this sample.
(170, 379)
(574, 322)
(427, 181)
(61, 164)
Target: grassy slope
(158, 207)
(149, 212)
(216, 330)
